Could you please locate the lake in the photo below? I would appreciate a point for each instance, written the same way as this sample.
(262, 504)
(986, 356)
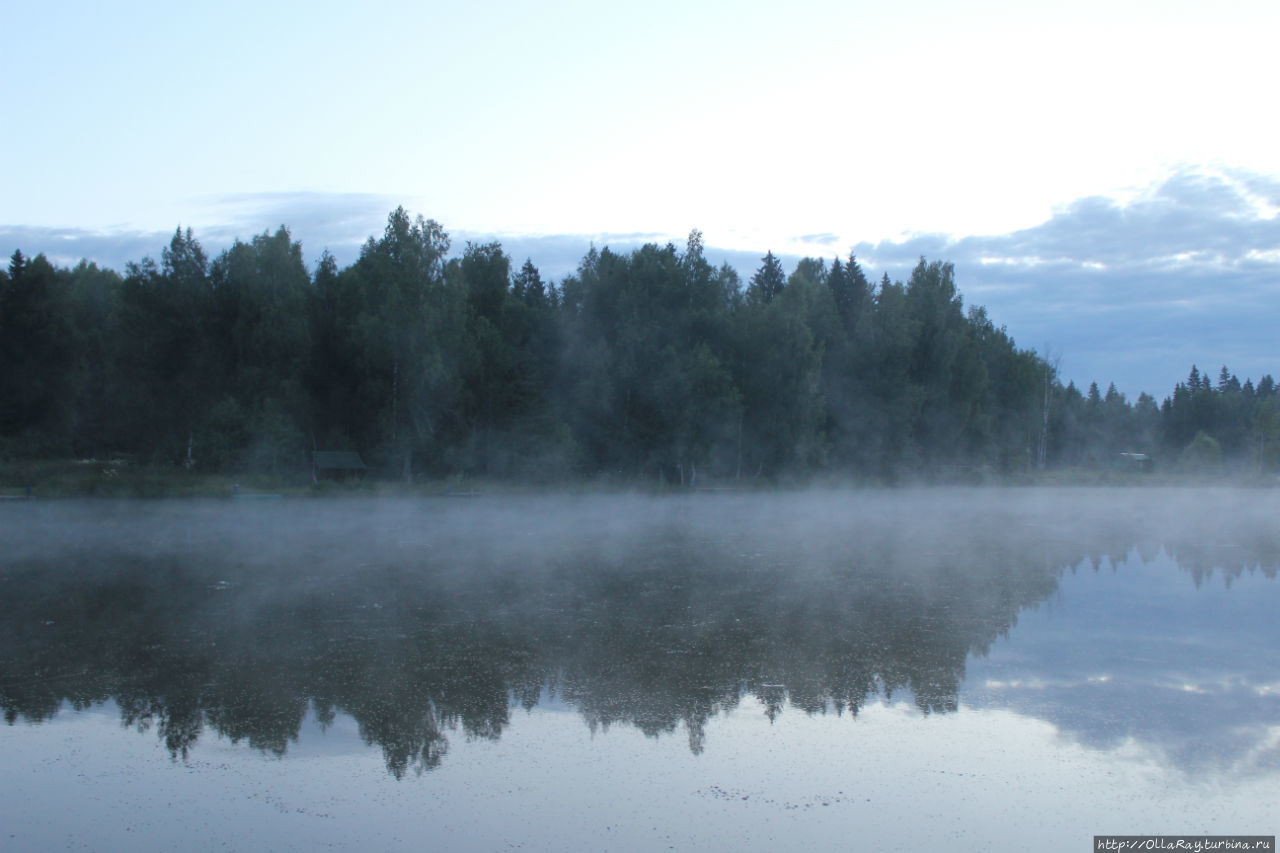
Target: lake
(967, 669)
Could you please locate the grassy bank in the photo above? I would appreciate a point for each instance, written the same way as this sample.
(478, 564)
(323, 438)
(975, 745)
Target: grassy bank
(120, 478)
(61, 478)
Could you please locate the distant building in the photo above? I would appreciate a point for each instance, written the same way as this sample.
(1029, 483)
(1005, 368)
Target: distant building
(336, 465)
(1135, 462)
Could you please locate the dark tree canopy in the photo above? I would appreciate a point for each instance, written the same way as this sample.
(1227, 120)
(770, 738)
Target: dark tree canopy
(651, 364)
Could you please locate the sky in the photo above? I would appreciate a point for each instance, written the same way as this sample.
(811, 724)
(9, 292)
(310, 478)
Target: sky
(1104, 175)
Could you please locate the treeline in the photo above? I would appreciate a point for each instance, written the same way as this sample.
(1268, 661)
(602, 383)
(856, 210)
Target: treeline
(1202, 426)
(640, 365)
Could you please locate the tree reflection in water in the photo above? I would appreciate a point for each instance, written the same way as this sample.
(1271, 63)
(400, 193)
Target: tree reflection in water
(421, 619)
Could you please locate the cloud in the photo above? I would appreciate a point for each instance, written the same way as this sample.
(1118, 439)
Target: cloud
(825, 239)
(67, 246)
(1188, 272)
(337, 222)
(1191, 220)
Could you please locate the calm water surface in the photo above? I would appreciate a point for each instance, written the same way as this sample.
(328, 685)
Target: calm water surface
(900, 670)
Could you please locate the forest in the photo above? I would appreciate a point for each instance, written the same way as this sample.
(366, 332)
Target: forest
(651, 365)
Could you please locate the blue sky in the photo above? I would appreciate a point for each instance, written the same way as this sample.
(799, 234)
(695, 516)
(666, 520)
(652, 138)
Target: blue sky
(1104, 175)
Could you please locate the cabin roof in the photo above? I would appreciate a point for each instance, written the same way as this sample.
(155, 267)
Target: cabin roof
(337, 460)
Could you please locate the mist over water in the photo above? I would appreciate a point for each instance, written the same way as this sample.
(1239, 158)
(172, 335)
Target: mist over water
(436, 624)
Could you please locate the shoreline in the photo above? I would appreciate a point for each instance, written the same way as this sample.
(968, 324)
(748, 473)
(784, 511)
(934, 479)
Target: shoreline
(117, 479)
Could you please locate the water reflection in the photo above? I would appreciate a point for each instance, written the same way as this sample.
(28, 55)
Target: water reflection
(426, 621)
(1139, 652)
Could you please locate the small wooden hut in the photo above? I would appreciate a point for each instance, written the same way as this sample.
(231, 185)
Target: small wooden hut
(336, 465)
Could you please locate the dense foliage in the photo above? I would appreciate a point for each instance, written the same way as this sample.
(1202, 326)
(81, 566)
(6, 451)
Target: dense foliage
(652, 364)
